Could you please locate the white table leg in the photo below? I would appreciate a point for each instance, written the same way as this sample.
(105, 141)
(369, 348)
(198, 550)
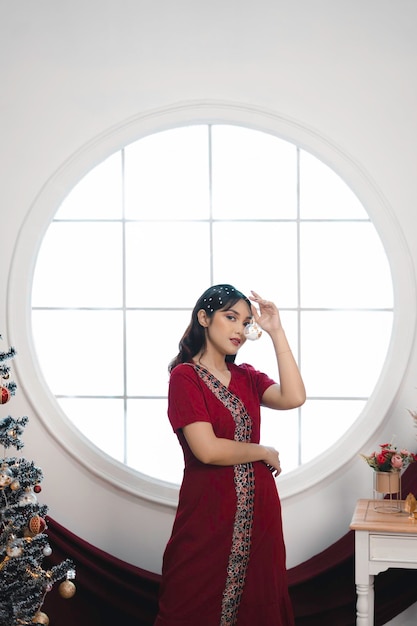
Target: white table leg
(371, 602)
(364, 582)
(365, 604)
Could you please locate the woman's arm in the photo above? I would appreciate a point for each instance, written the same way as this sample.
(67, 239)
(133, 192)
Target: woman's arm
(213, 450)
(290, 393)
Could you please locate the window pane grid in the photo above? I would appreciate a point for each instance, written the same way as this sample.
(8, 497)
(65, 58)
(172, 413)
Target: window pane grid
(154, 259)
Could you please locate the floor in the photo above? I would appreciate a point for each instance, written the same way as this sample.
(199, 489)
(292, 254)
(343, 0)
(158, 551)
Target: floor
(408, 618)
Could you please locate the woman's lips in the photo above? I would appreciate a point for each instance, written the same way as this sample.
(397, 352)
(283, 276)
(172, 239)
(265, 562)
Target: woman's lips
(236, 342)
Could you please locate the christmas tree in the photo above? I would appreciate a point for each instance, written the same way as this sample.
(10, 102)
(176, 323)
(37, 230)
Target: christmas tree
(24, 545)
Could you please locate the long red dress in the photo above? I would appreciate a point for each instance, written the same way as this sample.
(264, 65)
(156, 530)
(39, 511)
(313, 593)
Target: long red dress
(224, 564)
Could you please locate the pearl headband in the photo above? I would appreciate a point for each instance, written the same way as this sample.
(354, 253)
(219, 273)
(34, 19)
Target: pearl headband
(218, 295)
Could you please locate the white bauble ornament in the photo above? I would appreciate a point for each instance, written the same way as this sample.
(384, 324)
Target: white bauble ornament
(14, 550)
(252, 331)
(6, 476)
(28, 497)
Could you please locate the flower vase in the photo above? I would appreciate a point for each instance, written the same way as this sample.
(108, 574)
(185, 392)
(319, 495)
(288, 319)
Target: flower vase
(387, 491)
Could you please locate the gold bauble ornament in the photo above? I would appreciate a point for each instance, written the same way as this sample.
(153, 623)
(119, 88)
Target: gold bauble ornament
(4, 562)
(410, 504)
(41, 618)
(66, 589)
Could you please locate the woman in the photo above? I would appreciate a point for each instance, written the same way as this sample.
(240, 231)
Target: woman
(225, 561)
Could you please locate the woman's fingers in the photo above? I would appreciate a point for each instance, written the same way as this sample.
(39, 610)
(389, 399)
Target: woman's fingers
(255, 296)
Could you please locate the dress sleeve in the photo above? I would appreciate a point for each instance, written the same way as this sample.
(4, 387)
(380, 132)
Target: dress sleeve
(186, 402)
(260, 380)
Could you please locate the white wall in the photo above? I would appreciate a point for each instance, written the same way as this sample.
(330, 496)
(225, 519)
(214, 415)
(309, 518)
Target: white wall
(73, 71)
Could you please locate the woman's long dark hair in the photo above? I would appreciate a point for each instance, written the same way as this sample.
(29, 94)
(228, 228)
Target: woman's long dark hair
(216, 298)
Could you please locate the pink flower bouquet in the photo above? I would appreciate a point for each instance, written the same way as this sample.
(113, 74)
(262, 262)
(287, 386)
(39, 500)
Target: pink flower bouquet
(389, 458)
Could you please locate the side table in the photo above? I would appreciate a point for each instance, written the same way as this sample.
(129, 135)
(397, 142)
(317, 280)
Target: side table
(382, 540)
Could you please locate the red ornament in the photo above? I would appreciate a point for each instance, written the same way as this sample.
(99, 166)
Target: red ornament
(37, 488)
(5, 395)
(37, 524)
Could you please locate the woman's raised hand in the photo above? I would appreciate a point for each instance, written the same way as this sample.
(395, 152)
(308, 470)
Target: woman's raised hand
(267, 315)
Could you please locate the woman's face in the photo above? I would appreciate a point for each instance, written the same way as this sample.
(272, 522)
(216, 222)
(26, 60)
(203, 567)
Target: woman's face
(225, 328)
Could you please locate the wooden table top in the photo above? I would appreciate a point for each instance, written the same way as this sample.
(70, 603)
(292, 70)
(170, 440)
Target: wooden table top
(367, 518)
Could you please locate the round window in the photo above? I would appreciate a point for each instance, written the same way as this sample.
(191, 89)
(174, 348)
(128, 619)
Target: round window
(145, 232)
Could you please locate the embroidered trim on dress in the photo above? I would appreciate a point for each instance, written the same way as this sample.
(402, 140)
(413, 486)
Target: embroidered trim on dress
(244, 479)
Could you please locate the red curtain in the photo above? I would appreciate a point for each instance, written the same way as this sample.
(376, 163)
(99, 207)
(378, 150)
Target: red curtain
(110, 591)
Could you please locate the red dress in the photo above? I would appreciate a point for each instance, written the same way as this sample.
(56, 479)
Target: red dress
(224, 564)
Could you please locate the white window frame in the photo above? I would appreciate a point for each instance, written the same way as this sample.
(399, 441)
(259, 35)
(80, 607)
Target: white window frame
(65, 178)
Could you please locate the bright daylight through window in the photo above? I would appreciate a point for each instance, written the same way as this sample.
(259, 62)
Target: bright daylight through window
(144, 233)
